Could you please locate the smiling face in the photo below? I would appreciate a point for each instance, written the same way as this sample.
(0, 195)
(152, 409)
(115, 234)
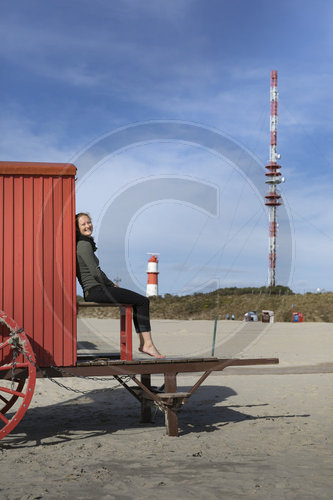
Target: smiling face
(85, 225)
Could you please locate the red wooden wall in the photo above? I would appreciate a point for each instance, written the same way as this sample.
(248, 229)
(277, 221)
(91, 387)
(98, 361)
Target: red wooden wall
(37, 256)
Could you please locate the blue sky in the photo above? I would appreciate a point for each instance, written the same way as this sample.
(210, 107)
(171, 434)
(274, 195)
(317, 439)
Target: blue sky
(74, 72)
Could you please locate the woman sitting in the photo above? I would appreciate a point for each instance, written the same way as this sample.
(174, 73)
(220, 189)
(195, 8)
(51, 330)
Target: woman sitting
(97, 287)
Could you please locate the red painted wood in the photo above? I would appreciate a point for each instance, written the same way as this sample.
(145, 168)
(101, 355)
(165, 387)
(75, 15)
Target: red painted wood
(69, 263)
(18, 225)
(37, 257)
(48, 254)
(122, 333)
(8, 255)
(8, 249)
(28, 251)
(126, 333)
(129, 354)
(58, 271)
(37, 261)
(36, 168)
(1, 254)
(1, 239)
(23, 388)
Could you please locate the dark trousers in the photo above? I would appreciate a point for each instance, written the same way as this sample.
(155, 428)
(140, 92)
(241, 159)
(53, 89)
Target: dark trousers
(103, 293)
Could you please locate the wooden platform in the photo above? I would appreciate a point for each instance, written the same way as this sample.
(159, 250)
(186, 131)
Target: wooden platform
(167, 399)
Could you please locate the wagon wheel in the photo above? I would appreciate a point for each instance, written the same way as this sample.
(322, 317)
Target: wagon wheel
(17, 374)
(9, 399)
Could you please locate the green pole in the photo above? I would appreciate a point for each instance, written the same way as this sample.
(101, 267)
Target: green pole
(214, 336)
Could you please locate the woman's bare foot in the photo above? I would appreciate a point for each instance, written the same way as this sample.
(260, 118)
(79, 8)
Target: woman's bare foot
(151, 351)
(147, 345)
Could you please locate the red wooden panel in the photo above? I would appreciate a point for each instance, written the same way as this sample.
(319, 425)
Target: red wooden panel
(37, 258)
(69, 262)
(1, 240)
(18, 225)
(73, 284)
(48, 268)
(1, 257)
(58, 290)
(8, 250)
(38, 261)
(28, 252)
(36, 168)
(18, 251)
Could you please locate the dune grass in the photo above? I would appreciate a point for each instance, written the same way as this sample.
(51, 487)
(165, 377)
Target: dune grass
(237, 301)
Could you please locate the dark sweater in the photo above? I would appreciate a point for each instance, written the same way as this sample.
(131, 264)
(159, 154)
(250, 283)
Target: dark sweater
(88, 271)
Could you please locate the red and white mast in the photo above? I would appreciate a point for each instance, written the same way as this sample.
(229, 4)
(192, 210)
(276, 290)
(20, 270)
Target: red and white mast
(273, 198)
(152, 271)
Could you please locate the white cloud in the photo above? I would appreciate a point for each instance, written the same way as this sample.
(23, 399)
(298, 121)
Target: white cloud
(19, 140)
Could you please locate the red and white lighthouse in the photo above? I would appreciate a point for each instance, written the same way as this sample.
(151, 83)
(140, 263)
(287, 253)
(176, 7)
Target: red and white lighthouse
(152, 271)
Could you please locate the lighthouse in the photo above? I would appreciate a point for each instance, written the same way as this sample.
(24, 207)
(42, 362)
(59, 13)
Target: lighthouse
(152, 272)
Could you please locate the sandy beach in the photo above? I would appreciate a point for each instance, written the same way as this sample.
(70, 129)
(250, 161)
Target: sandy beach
(248, 432)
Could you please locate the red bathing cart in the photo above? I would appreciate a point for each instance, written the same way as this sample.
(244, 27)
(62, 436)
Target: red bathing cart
(38, 302)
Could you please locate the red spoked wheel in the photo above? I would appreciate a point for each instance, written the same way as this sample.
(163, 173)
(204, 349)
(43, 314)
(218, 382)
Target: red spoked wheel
(17, 374)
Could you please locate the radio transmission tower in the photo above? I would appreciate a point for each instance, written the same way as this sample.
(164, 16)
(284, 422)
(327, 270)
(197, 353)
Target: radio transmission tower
(273, 174)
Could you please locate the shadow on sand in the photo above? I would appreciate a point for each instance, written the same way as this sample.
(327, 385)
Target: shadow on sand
(104, 411)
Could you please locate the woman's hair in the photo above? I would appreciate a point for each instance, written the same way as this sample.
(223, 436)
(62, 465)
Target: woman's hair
(77, 216)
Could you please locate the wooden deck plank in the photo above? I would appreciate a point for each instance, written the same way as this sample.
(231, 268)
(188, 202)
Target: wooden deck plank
(104, 367)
